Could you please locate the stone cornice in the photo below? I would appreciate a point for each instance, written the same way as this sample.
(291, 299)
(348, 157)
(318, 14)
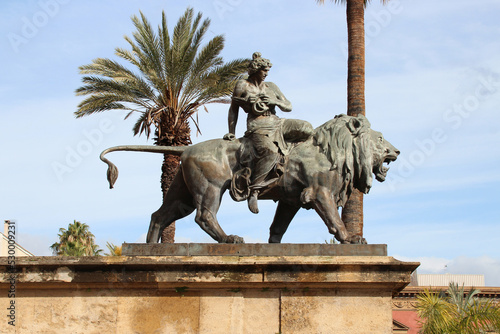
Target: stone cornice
(364, 272)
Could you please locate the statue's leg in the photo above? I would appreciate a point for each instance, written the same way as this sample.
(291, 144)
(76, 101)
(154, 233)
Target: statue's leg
(207, 205)
(284, 215)
(327, 210)
(295, 130)
(177, 204)
(207, 180)
(267, 156)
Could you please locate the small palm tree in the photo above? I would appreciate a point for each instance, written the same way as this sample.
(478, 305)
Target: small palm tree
(114, 250)
(77, 240)
(352, 212)
(172, 76)
(457, 312)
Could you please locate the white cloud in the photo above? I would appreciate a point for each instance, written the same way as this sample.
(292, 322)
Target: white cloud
(486, 265)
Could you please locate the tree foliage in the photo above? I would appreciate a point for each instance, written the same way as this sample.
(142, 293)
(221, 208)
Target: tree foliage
(457, 311)
(77, 240)
(170, 77)
(114, 250)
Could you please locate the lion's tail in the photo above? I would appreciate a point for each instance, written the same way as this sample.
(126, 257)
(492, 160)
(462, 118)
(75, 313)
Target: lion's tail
(112, 173)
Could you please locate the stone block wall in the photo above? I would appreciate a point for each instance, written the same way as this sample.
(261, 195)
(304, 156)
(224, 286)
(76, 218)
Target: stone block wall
(204, 294)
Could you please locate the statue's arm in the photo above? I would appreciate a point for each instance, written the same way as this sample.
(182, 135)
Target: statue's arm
(281, 101)
(232, 117)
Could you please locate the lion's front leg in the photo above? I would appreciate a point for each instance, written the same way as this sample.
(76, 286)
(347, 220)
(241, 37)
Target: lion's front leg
(325, 206)
(284, 215)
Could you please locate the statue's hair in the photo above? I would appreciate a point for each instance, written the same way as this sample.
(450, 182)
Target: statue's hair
(258, 63)
(345, 141)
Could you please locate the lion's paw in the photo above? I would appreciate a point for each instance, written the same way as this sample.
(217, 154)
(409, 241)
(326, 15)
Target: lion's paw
(357, 239)
(234, 239)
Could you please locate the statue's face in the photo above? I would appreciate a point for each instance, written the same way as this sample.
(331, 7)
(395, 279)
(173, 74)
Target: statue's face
(262, 73)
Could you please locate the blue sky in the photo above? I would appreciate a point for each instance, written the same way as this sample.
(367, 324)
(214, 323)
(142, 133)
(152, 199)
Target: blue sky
(432, 88)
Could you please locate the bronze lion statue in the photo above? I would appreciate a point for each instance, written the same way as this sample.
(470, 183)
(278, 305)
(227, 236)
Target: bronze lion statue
(319, 173)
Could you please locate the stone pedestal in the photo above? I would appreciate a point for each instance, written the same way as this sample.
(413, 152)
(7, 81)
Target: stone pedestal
(208, 288)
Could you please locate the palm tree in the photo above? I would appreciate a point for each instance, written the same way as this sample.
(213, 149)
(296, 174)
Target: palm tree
(114, 250)
(457, 311)
(173, 77)
(352, 212)
(77, 240)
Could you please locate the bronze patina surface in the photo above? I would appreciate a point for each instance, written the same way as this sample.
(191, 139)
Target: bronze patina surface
(280, 159)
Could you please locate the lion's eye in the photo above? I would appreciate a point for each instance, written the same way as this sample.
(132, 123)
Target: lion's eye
(381, 139)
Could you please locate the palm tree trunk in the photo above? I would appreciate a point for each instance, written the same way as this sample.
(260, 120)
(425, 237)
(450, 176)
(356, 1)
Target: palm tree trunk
(168, 171)
(356, 57)
(352, 213)
(171, 134)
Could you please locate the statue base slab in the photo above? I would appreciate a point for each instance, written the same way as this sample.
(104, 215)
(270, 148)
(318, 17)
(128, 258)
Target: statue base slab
(218, 293)
(195, 249)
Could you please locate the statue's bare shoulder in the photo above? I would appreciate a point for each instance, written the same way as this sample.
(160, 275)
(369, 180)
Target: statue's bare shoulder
(272, 85)
(241, 88)
(274, 88)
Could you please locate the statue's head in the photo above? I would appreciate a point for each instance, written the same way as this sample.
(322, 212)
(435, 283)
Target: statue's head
(258, 63)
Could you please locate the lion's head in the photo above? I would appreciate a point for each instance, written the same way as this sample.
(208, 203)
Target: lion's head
(355, 151)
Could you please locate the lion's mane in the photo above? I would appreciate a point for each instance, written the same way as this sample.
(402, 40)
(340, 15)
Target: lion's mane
(345, 141)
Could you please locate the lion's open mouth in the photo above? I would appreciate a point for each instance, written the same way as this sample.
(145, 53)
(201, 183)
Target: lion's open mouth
(381, 170)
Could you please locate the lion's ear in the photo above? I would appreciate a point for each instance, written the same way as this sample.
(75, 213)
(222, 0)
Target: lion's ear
(363, 120)
(358, 124)
(354, 125)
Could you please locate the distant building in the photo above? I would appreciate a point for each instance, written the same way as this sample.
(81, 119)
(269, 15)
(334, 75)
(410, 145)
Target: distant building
(404, 314)
(4, 247)
(430, 280)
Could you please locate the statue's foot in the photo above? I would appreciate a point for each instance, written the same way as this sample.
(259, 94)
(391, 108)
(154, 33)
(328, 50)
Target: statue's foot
(252, 202)
(234, 239)
(357, 239)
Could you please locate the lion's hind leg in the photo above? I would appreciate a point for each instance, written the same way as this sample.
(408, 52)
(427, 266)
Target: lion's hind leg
(207, 204)
(177, 204)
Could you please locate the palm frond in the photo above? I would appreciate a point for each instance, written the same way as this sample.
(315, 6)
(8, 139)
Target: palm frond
(198, 33)
(206, 60)
(149, 44)
(104, 102)
(117, 72)
(221, 81)
(436, 312)
(142, 125)
(107, 68)
(165, 50)
(180, 44)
